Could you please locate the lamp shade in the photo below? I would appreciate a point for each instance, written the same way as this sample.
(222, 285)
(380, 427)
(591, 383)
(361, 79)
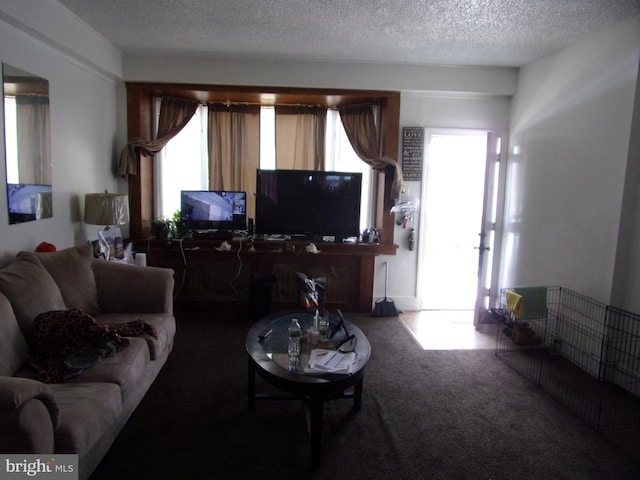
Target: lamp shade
(106, 208)
(44, 205)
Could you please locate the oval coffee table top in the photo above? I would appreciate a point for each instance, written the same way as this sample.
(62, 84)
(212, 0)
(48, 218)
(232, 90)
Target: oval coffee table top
(271, 359)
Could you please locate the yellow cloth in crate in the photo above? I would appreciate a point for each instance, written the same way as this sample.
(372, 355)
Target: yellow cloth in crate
(515, 303)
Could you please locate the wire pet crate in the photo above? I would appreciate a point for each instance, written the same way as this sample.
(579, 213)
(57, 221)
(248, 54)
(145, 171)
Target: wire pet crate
(584, 353)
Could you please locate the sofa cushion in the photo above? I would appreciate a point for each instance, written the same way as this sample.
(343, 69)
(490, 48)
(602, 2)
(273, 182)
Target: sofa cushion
(164, 325)
(13, 347)
(126, 368)
(88, 411)
(71, 270)
(31, 291)
(126, 288)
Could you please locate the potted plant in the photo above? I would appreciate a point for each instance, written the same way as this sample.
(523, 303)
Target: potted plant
(162, 228)
(179, 228)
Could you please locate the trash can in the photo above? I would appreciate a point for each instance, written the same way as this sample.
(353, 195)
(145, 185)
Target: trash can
(261, 293)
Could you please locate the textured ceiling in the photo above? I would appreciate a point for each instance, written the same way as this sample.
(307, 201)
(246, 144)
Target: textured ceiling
(450, 32)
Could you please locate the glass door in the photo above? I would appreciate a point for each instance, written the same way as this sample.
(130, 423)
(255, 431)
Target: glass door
(490, 232)
(457, 224)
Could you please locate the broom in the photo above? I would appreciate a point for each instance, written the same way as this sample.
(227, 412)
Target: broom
(385, 306)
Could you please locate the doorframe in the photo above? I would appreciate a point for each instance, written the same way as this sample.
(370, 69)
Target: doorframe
(500, 201)
(493, 190)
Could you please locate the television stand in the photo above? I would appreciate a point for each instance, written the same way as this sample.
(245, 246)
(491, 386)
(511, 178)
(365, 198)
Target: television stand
(275, 238)
(300, 237)
(208, 278)
(213, 234)
(297, 237)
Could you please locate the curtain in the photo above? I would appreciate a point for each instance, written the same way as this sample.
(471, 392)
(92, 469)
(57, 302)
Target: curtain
(175, 113)
(359, 124)
(234, 149)
(300, 137)
(34, 139)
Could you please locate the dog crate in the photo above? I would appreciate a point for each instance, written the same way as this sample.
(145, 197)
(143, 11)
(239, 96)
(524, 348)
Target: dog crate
(584, 353)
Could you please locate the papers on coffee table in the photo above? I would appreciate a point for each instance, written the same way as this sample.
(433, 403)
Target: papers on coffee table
(330, 361)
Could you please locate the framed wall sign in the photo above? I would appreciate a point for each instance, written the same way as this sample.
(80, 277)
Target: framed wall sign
(412, 152)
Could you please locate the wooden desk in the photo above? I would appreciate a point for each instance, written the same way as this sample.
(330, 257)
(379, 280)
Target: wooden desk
(210, 278)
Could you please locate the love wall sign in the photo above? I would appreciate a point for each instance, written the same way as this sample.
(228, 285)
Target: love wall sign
(412, 152)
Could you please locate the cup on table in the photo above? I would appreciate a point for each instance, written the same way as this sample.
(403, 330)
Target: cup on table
(323, 328)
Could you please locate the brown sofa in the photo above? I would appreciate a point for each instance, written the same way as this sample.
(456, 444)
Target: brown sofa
(85, 413)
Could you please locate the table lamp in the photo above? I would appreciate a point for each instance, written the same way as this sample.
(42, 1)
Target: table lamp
(106, 209)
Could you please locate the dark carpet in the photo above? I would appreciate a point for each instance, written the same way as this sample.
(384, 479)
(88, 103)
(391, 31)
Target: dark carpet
(459, 414)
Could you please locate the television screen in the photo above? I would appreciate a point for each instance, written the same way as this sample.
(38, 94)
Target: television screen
(28, 202)
(308, 203)
(218, 210)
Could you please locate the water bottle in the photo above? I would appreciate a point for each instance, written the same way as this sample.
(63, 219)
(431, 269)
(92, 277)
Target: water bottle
(294, 338)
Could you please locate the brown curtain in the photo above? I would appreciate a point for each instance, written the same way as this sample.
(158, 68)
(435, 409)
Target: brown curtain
(359, 124)
(34, 139)
(175, 113)
(300, 137)
(234, 149)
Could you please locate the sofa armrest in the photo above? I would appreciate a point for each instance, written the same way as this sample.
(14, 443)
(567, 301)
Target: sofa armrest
(15, 391)
(126, 288)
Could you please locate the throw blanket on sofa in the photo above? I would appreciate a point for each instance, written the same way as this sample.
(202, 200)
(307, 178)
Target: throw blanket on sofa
(67, 342)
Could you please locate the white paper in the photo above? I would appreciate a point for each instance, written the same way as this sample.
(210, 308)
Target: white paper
(330, 361)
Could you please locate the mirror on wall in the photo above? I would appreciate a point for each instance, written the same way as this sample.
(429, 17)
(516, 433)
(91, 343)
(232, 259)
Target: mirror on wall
(27, 145)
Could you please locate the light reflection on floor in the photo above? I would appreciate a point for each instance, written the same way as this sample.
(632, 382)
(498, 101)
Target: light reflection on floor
(448, 330)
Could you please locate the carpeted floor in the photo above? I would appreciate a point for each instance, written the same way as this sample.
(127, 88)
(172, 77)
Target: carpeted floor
(460, 414)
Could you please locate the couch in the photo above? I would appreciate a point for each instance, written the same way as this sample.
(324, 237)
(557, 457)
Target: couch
(84, 413)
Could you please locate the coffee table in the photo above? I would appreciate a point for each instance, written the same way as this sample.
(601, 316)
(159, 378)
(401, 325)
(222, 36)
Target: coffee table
(267, 356)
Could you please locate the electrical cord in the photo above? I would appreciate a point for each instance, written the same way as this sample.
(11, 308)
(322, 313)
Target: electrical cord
(184, 269)
(240, 263)
(233, 280)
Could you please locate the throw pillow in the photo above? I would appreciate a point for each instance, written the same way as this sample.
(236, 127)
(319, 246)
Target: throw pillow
(71, 270)
(46, 247)
(30, 290)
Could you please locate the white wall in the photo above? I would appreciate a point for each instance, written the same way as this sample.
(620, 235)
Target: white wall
(570, 135)
(626, 282)
(362, 76)
(44, 39)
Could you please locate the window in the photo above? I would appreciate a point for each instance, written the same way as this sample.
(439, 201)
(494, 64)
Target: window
(267, 138)
(11, 139)
(183, 163)
(340, 157)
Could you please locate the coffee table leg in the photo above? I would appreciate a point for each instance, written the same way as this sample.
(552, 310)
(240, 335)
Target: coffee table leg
(315, 429)
(251, 386)
(357, 394)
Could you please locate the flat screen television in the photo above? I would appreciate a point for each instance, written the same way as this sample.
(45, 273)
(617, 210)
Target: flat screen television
(28, 202)
(308, 204)
(213, 210)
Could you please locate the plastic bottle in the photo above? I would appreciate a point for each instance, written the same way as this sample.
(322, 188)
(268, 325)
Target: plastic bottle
(294, 338)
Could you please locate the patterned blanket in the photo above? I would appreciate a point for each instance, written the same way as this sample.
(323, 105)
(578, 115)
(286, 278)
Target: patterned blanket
(67, 342)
